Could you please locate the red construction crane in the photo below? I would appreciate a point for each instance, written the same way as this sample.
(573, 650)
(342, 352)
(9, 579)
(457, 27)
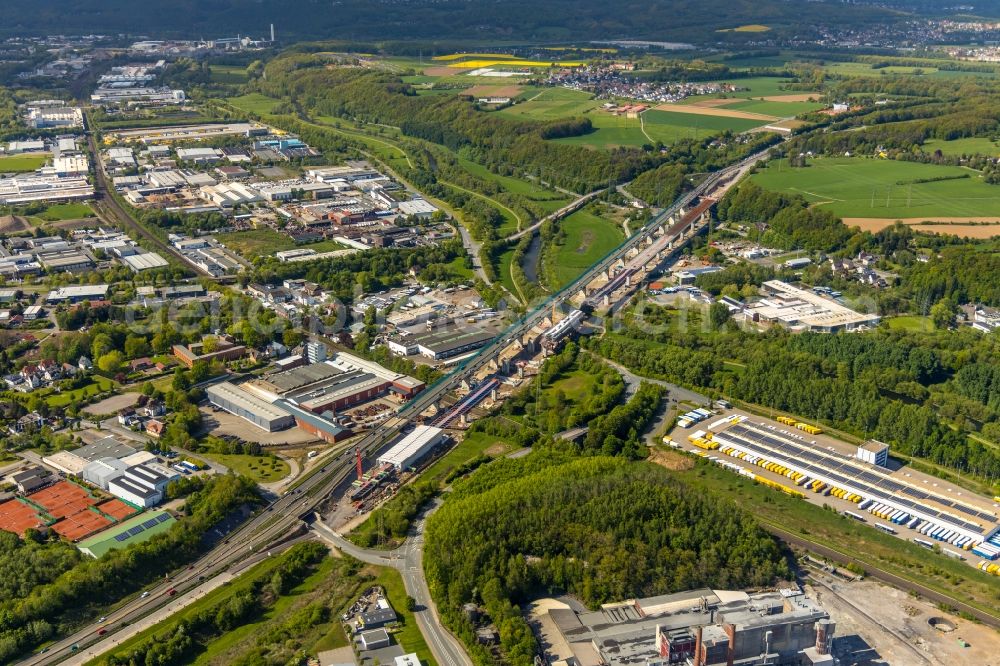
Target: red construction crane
(357, 455)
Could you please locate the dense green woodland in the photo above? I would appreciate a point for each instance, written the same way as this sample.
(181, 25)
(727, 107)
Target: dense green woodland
(452, 20)
(920, 392)
(69, 589)
(600, 528)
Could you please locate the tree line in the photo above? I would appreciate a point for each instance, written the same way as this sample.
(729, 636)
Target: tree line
(602, 529)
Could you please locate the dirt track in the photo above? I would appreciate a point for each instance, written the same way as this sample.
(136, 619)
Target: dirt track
(800, 97)
(987, 227)
(714, 111)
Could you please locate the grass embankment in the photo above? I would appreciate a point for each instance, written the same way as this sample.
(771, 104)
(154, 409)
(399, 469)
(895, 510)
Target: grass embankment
(262, 469)
(291, 622)
(587, 238)
(22, 163)
(265, 242)
(474, 445)
(853, 539)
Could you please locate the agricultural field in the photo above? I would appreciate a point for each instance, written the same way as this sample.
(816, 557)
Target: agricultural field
(22, 163)
(780, 109)
(552, 104)
(588, 238)
(862, 188)
(228, 74)
(676, 124)
(254, 103)
(756, 87)
(753, 27)
(479, 60)
(969, 146)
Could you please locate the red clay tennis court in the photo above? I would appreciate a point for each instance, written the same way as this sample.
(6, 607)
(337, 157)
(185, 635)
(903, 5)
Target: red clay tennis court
(76, 511)
(81, 524)
(63, 499)
(16, 517)
(117, 509)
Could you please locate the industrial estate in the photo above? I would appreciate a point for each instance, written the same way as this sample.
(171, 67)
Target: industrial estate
(436, 350)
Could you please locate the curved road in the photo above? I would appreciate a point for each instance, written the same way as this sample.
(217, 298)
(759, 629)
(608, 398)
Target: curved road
(408, 560)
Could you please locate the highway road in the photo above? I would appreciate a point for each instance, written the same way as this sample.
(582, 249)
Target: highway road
(271, 525)
(408, 560)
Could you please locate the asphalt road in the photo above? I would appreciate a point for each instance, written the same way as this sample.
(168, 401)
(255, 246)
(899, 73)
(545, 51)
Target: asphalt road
(408, 560)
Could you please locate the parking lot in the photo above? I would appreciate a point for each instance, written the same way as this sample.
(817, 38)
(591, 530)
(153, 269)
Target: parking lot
(793, 460)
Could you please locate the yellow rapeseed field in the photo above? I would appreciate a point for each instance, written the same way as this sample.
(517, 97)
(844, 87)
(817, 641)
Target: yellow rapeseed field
(477, 64)
(459, 56)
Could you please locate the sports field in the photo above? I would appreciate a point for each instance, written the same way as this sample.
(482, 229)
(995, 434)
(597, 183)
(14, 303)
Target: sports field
(588, 238)
(870, 188)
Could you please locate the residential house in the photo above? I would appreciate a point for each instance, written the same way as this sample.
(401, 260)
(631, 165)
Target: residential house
(155, 428)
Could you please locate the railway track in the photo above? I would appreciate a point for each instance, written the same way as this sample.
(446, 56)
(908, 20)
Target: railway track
(882, 575)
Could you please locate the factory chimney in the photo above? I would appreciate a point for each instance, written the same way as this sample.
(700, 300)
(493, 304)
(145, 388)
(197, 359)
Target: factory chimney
(824, 635)
(272, 32)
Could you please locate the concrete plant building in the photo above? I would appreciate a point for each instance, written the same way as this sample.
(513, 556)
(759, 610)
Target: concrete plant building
(246, 405)
(700, 628)
(411, 448)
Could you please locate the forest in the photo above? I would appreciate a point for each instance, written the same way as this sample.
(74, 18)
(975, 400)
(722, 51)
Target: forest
(600, 528)
(915, 391)
(422, 19)
(32, 616)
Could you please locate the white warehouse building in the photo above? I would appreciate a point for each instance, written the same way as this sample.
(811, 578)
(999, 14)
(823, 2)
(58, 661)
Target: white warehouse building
(414, 446)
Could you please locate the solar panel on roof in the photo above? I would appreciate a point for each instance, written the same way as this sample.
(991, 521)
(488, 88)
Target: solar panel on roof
(121, 537)
(135, 530)
(152, 522)
(163, 517)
